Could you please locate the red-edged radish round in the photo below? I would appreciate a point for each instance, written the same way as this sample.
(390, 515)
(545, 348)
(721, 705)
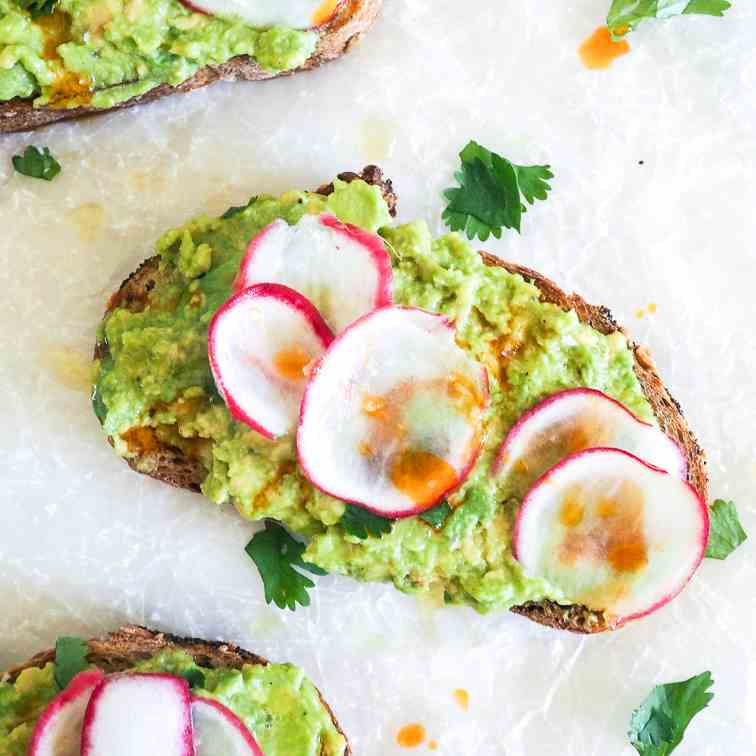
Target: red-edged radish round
(58, 729)
(612, 532)
(344, 271)
(219, 732)
(391, 417)
(260, 343)
(295, 14)
(134, 714)
(577, 419)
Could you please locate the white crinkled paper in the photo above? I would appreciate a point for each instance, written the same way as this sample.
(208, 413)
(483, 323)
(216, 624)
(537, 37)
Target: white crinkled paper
(85, 544)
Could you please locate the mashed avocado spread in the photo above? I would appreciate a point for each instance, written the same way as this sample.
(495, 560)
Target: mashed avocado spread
(98, 53)
(155, 383)
(279, 705)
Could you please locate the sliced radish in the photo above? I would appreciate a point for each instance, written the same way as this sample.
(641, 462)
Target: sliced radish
(574, 420)
(138, 714)
(344, 271)
(219, 732)
(260, 343)
(391, 418)
(296, 14)
(612, 532)
(58, 730)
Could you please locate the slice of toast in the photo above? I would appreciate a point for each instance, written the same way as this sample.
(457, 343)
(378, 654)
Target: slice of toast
(353, 19)
(171, 465)
(131, 644)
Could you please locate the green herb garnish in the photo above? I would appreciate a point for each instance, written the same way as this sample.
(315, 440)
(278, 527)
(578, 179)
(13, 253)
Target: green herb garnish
(436, 516)
(725, 531)
(491, 192)
(625, 15)
(195, 677)
(276, 554)
(39, 8)
(37, 164)
(70, 659)
(361, 523)
(658, 724)
(237, 209)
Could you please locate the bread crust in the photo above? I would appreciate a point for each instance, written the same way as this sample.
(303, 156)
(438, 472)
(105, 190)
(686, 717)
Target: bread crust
(337, 38)
(122, 649)
(171, 466)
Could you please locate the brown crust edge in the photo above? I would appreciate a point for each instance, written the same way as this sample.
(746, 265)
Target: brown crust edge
(120, 650)
(345, 30)
(171, 466)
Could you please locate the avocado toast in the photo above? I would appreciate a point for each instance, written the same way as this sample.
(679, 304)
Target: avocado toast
(161, 411)
(281, 707)
(84, 58)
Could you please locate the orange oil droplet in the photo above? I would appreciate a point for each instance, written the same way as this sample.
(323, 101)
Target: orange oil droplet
(600, 50)
(56, 29)
(374, 406)
(411, 736)
(433, 745)
(651, 309)
(571, 512)
(291, 362)
(140, 440)
(629, 556)
(421, 475)
(606, 508)
(324, 12)
(462, 697)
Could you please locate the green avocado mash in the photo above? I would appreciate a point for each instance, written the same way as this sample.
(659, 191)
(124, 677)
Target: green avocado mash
(279, 705)
(101, 52)
(156, 376)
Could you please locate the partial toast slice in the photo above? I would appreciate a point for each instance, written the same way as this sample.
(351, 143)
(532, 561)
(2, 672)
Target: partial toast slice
(171, 465)
(130, 644)
(353, 19)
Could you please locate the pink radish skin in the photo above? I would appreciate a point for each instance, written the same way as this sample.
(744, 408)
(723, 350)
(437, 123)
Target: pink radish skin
(244, 399)
(307, 449)
(542, 422)
(58, 730)
(344, 271)
(553, 481)
(235, 739)
(134, 714)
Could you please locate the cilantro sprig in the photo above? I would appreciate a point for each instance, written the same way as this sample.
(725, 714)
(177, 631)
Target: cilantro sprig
(436, 516)
(491, 191)
(35, 163)
(725, 531)
(278, 558)
(625, 15)
(39, 8)
(658, 725)
(70, 659)
(361, 523)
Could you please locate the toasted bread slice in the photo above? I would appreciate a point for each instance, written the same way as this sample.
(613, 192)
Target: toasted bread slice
(171, 465)
(353, 19)
(130, 644)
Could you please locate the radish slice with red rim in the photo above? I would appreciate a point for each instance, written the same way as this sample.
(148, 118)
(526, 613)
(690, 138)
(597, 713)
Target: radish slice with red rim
(132, 713)
(577, 419)
(612, 532)
(260, 343)
(391, 418)
(58, 729)
(219, 732)
(295, 14)
(344, 271)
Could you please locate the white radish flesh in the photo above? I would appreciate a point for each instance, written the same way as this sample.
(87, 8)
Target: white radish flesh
(295, 14)
(58, 729)
(138, 715)
(577, 419)
(392, 417)
(612, 532)
(344, 271)
(219, 732)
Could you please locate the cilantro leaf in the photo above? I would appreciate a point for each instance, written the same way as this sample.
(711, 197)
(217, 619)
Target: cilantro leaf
(39, 8)
(70, 659)
(725, 531)
(37, 164)
(276, 554)
(361, 523)
(194, 676)
(657, 726)
(436, 516)
(625, 15)
(235, 210)
(490, 193)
